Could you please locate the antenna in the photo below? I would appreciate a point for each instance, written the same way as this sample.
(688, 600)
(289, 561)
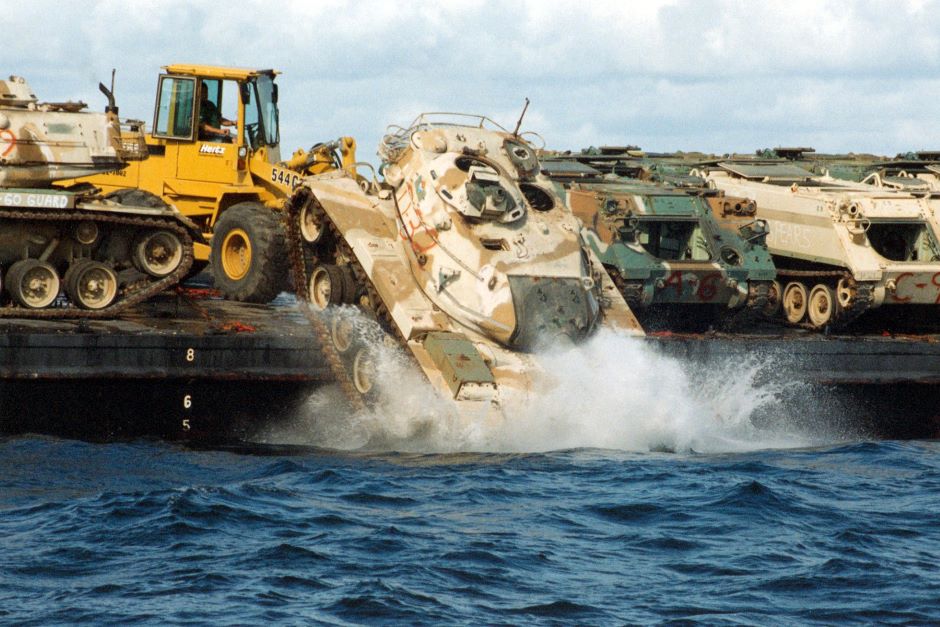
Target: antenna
(521, 115)
(112, 107)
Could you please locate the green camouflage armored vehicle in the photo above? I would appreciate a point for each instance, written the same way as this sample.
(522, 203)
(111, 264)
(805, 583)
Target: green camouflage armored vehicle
(680, 255)
(75, 253)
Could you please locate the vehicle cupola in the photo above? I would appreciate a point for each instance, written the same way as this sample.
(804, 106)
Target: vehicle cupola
(16, 92)
(477, 189)
(523, 157)
(489, 198)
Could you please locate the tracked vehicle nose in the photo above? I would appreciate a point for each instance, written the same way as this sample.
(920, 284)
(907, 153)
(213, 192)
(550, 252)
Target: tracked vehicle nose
(549, 308)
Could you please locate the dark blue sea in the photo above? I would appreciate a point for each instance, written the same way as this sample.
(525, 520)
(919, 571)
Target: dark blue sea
(152, 532)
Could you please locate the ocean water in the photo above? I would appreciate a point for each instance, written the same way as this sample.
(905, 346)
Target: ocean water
(657, 495)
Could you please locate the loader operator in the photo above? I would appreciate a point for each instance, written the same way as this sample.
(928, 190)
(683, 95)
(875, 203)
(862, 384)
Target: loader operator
(211, 120)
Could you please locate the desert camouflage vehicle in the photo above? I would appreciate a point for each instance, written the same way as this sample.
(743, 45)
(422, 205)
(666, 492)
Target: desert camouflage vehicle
(104, 252)
(701, 254)
(840, 248)
(465, 255)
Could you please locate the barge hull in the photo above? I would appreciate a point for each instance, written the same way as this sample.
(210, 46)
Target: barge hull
(192, 366)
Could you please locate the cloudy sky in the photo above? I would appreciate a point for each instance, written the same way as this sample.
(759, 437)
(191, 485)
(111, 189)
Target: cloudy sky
(714, 75)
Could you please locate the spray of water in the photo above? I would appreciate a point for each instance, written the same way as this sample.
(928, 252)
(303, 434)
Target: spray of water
(613, 392)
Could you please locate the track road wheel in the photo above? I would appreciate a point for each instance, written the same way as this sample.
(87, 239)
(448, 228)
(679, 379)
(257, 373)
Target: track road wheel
(326, 287)
(794, 302)
(845, 292)
(32, 283)
(774, 300)
(311, 228)
(249, 256)
(342, 332)
(90, 284)
(821, 305)
(363, 371)
(157, 253)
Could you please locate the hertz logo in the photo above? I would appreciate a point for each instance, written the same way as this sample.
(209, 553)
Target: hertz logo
(209, 149)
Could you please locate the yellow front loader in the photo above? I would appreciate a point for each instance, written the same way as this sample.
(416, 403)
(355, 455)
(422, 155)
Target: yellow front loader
(214, 153)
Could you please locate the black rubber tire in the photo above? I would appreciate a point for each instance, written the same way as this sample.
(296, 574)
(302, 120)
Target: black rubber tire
(70, 283)
(350, 289)
(268, 270)
(69, 278)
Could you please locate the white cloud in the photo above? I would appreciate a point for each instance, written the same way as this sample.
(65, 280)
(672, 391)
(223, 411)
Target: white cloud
(714, 75)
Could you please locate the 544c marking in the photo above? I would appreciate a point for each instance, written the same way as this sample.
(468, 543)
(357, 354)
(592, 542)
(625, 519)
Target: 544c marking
(285, 177)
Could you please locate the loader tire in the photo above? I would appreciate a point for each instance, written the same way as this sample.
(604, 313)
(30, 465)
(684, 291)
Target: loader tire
(249, 254)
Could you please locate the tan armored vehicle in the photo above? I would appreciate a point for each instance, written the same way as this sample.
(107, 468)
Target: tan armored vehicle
(103, 253)
(840, 248)
(465, 255)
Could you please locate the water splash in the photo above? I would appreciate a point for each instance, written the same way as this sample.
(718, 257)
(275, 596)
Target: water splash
(618, 392)
(613, 392)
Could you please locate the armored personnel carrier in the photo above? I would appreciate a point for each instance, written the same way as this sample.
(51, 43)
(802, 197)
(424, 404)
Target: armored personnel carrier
(103, 252)
(464, 254)
(665, 246)
(840, 248)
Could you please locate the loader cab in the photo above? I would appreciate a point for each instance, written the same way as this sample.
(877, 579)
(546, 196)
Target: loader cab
(184, 103)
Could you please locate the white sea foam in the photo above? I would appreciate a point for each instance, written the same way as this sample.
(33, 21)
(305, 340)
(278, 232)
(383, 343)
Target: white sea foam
(613, 392)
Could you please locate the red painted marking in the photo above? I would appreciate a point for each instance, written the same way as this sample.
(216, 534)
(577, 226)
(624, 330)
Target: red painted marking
(897, 287)
(675, 279)
(936, 281)
(8, 135)
(707, 289)
(415, 233)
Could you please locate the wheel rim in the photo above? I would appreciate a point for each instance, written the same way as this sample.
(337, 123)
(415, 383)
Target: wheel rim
(821, 306)
(341, 330)
(236, 254)
(310, 228)
(774, 298)
(86, 232)
(794, 302)
(95, 286)
(321, 288)
(36, 285)
(160, 253)
(364, 371)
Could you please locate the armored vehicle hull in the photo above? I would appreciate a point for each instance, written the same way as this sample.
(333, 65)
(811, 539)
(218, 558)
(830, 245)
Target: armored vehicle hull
(465, 256)
(702, 257)
(840, 248)
(76, 253)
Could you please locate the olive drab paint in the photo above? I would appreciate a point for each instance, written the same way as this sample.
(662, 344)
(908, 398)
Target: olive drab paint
(665, 244)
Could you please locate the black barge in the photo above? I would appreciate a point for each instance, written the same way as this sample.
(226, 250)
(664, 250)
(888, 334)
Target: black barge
(188, 365)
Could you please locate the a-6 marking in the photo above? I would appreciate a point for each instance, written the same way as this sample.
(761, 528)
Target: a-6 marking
(285, 177)
(705, 290)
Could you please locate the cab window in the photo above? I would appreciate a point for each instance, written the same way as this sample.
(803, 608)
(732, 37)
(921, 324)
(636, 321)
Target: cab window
(174, 111)
(218, 110)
